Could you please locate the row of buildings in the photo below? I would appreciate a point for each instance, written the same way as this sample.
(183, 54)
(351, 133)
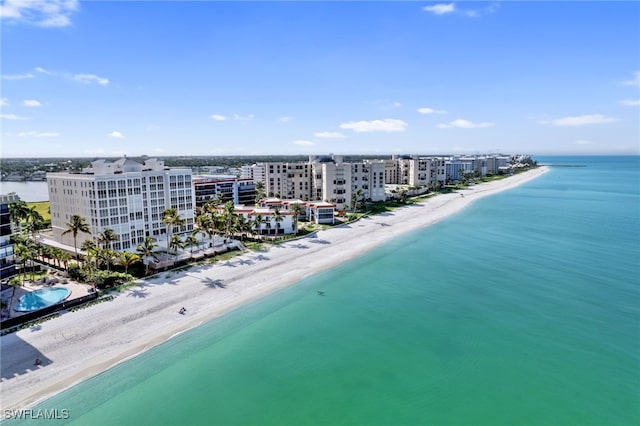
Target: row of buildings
(130, 197)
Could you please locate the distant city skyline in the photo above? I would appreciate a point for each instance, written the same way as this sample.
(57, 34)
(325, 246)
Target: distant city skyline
(105, 79)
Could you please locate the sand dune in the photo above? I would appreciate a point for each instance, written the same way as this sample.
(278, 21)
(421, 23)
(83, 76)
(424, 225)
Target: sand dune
(81, 344)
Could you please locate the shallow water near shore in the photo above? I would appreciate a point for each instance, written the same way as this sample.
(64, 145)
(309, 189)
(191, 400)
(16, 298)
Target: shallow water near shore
(522, 309)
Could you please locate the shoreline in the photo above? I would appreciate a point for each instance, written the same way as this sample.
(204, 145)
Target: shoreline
(82, 344)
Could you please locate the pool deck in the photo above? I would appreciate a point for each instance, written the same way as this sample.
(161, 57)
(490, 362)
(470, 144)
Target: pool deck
(77, 290)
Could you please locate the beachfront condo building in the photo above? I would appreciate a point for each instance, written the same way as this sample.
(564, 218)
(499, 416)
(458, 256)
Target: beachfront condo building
(253, 171)
(124, 195)
(326, 178)
(237, 190)
(7, 259)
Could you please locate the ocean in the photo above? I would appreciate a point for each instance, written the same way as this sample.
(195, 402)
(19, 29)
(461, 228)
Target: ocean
(523, 309)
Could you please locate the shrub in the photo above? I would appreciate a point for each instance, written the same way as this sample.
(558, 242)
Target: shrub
(77, 273)
(108, 279)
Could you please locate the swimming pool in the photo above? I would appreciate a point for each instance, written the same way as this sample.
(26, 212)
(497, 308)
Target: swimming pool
(42, 298)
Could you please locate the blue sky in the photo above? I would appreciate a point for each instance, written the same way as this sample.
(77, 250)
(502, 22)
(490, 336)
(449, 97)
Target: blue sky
(213, 78)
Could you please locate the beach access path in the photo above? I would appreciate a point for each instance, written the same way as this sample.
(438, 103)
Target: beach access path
(81, 344)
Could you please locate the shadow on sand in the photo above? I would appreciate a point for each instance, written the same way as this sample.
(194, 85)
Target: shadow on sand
(211, 283)
(13, 366)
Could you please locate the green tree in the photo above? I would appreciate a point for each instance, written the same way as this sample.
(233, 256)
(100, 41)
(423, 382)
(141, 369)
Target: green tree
(25, 251)
(18, 212)
(105, 257)
(107, 237)
(296, 210)
(171, 218)
(76, 225)
(146, 250)
(190, 242)
(277, 217)
(257, 223)
(260, 191)
(228, 217)
(126, 259)
(35, 221)
(176, 243)
(64, 257)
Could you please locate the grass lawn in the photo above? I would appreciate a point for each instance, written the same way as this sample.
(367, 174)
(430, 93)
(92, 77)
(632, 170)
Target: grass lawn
(42, 207)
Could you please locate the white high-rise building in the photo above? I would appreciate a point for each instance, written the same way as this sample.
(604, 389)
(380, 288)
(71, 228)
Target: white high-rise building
(126, 196)
(253, 171)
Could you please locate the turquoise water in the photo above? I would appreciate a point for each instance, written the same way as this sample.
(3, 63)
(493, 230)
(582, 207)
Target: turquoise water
(41, 298)
(524, 309)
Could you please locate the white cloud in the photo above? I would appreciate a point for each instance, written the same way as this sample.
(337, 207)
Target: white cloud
(13, 117)
(427, 111)
(43, 71)
(386, 125)
(631, 102)
(635, 81)
(218, 117)
(303, 143)
(440, 9)
(329, 135)
(42, 13)
(34, 134)
(17, 76)
(116, 135)
(243, 117)
(4, 102)
(581, 120)
(464, 124)
(285, 119)
(91, 78)
(31, 103)
(397, 104)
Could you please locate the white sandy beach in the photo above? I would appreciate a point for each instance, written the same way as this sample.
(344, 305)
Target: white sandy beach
(81, 344)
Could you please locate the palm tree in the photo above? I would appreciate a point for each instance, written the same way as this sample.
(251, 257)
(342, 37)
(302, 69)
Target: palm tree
(260, 191)
(242, 226)
(25, 251)
(64, 258)
(176, 243)
(171, 218)
(257, 223)
(74, 226)
(106, 237)
(296, 210)
(105, 257)
(278, 218)
(191, 241)
(88, 245)
(127, 259)
(203, 223)
(229, 217)
(147, 250)
(356, 200)
(35, 220)
(18, 212)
